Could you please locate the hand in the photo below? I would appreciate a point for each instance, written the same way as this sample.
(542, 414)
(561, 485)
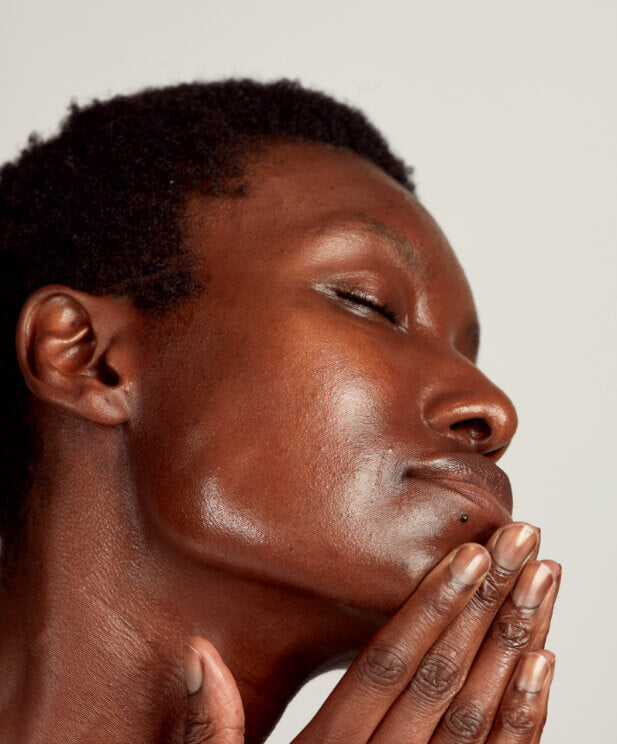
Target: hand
(461, 661)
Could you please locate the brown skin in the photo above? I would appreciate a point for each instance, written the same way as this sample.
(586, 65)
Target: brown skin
(239, 470)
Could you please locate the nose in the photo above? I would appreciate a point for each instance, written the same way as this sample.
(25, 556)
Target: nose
(471, 411)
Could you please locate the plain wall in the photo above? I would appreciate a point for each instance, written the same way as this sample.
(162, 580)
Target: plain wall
(508, 113)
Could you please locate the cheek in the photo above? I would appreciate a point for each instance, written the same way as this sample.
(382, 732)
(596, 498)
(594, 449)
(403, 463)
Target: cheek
(277, 463)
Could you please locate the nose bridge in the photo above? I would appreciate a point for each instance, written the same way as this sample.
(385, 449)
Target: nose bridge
(465, 406)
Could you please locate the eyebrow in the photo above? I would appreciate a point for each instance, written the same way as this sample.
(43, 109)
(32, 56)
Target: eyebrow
(402, 245)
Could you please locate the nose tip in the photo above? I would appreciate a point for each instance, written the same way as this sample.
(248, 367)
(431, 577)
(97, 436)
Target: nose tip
(483, 419)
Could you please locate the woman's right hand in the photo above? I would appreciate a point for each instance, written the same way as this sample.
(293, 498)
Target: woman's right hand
(461, 661)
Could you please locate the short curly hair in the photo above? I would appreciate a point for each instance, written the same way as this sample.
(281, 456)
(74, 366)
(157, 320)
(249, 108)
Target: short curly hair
(98, 207)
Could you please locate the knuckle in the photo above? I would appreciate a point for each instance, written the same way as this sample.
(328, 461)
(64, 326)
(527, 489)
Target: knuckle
(435, 678)
(516, 721)
(512, 632)
(465, 723)
(382, 668)
(438, 605)
(490, 592)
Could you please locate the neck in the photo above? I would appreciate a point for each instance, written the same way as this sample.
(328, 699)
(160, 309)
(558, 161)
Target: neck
(96, 610)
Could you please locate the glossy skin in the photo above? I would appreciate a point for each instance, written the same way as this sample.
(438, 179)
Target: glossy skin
(325, 403)
(253, 479)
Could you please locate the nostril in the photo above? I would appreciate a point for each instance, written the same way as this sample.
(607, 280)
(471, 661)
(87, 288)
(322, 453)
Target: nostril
(476, 429)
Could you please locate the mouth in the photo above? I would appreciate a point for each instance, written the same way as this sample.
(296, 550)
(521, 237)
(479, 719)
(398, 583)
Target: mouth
(472, 476)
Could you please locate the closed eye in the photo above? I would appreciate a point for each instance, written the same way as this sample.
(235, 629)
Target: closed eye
(384, 309)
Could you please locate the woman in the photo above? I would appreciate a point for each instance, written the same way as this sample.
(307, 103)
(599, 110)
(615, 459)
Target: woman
(243, 406)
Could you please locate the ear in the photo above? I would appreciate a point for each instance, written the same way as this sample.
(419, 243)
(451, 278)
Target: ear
(80, 351)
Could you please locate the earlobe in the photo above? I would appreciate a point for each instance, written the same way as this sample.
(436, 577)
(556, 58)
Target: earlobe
(78, 351)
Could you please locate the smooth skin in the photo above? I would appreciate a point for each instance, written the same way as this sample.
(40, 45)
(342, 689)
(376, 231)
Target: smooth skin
(242, 470)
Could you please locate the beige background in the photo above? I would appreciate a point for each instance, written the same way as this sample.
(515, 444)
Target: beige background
(508, 112)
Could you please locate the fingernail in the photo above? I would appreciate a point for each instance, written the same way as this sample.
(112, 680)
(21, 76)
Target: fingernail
(532, 672)
(193, 674)
(553, 565)
(514, 544)
(532, 585)
(469, 564)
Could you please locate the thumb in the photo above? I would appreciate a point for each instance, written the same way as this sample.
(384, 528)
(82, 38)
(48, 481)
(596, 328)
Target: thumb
(214, 712)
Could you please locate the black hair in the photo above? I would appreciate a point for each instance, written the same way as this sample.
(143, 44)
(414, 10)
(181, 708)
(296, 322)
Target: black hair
(98, 207)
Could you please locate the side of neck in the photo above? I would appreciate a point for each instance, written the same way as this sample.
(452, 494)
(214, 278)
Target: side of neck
(97, 611)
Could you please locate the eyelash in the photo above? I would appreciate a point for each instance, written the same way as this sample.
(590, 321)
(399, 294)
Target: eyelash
(386, 310)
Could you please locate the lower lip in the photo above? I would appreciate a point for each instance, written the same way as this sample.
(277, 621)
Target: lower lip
(490, 507)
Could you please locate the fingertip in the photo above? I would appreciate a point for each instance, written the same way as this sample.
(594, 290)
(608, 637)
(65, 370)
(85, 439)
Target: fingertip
(216, 677)
(554, 566)
(548, 655)
(470, 563)
(193, 670)
(201, 645)
(201, 658)
(214, 705)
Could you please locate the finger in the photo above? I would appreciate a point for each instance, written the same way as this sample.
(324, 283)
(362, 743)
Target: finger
(376, 677)
(548, 616)
(445, 667)
(214, 708)
(541, 626)
(513, 632)
(538, 732)
(522, 712)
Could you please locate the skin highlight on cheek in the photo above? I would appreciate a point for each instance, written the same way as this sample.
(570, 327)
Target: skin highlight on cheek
(220, 516)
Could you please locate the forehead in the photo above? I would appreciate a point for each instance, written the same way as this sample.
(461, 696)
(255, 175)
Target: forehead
(300, 194)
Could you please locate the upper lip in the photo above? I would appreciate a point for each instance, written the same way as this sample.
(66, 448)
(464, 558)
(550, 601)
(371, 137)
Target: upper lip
(485, 478)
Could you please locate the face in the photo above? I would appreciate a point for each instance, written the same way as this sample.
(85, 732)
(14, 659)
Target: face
(316, 419)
